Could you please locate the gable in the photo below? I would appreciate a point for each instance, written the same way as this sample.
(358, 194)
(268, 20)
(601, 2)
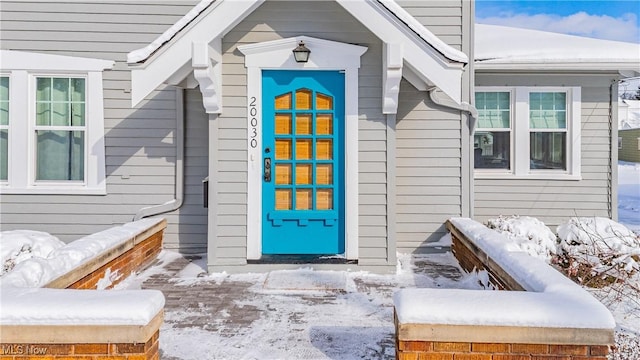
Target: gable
(170, 59)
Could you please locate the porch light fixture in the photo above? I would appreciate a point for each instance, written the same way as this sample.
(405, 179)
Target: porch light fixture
(301, 53)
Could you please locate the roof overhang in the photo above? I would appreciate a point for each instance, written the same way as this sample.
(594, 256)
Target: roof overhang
(170, 59)
(30, 61)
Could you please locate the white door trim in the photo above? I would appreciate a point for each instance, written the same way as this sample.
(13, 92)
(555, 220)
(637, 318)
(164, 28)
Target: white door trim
(277, 55)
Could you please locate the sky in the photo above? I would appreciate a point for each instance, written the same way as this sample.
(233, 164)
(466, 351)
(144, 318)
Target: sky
(603, 19)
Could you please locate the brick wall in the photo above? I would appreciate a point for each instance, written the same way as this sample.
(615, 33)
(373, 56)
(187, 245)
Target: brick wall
(100, 351)
(435, 350)
(141, 255)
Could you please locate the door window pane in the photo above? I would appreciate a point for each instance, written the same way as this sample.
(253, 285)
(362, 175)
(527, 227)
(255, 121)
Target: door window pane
(303, 99)
(283, 199)
(283, 149)
(304, 150)
(304, 174)
(283, 102)
(60, 155)
(283, 174)
(304, 199)
(303, 124)
(324, 124)
(324, 102)
(283, 124)
(548, 150)
(324, 147)
(324, 174)
(324, 199)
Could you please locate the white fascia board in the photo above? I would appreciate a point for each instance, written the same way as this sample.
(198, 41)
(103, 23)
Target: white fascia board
(325, 54)
(30, 61)
(172, 56)
(428, 63)
(556, 65)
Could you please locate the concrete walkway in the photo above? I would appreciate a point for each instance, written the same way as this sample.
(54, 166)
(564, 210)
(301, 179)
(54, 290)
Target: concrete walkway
(298, 314)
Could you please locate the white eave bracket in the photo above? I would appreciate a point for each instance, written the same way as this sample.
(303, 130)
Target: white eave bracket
(392, 75)
(206, 60)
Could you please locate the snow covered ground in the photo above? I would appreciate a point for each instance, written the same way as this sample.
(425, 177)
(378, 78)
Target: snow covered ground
(629, 195)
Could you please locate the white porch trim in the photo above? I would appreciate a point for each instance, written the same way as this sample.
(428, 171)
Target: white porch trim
(325, 55)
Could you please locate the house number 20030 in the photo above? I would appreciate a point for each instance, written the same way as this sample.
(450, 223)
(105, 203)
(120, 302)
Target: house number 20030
(253, 112)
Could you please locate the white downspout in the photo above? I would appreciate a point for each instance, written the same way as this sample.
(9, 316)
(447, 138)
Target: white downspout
(178, 200)
(463, 106)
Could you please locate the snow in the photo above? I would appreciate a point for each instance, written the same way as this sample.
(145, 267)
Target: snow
(629, 195)
(22, 306)
(37, 271)
(628, 114)
(498, 308)
(144, 53)
(20, 245)
(529, 234)
(504, 45)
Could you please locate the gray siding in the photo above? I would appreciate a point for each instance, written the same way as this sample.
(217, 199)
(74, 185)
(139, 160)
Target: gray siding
(553, 201)
(140, 150)
(429, 178)
(442, 17)
(281, 19)
(630, 150)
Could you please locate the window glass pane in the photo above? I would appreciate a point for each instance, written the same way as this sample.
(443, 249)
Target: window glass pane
(43, 92)
(4, 154)
(43, 114)
(492, 149)
(493, 110)
(77, 114)
(4, 100)
(548, 150)
(547, 110)
(60, 155)
(77, 89)
(60, 89)
(60, 114)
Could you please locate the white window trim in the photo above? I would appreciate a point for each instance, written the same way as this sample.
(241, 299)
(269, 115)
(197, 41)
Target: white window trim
(22, 69)
(325, 55)
(520, 135)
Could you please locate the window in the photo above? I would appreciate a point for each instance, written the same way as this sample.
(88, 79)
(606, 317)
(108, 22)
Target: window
(531, 132)
(60, 129)
(492, 139)
(51, 124)
(4, 127)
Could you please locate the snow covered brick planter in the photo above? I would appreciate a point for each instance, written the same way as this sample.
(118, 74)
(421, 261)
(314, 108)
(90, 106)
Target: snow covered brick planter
(45, 315)
(550, 318)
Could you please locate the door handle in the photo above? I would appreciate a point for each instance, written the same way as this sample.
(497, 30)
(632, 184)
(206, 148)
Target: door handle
(267, 169)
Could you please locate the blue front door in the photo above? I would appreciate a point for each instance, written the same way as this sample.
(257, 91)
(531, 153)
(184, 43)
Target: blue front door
(303, 162)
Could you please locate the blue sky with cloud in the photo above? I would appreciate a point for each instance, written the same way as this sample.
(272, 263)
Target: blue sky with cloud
(604, 19)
